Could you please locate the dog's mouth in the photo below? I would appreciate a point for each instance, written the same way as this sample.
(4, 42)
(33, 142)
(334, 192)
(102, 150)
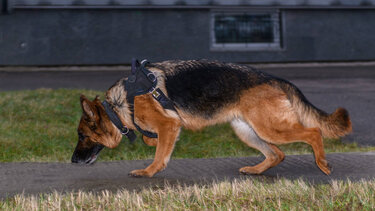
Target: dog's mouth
(91, 159)
(94, 155)
(79, 157)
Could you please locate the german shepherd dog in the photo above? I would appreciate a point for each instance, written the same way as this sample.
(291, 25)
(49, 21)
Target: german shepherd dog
(264, 111)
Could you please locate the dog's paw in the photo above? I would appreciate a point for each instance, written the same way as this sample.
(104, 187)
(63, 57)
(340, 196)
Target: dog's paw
(250, 170)
(140, 173)
(324, 166)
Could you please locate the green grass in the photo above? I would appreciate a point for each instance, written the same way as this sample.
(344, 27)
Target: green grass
(41, 125)
(248, 194)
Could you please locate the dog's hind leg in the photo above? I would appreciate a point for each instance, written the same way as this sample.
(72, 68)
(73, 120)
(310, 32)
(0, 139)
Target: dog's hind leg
(273, 154)
(274, 119)
(276, 122)
(298, 133)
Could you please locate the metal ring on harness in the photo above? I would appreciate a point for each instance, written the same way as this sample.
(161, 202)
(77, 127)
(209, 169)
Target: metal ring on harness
(127, 131)
(144, 62)
(152, 78)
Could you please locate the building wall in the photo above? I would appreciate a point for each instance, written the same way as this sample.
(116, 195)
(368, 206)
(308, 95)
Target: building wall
(114, 36)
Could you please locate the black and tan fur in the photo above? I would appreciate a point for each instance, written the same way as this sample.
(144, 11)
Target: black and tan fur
(263, 110)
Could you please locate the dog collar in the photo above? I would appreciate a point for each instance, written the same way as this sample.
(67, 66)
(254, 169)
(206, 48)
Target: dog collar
(112, 115)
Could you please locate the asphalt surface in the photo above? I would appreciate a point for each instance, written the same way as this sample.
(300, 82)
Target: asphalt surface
(352, 87)
(32, 178)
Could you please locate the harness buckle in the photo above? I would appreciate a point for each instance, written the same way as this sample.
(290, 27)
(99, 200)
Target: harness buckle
(155, 92)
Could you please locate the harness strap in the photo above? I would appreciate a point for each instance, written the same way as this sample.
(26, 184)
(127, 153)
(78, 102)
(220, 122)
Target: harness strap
(143, 81)
(112, 115)
(144, 132)
(162, 99)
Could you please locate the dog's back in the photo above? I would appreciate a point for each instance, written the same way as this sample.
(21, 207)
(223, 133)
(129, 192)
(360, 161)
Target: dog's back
(205, 87)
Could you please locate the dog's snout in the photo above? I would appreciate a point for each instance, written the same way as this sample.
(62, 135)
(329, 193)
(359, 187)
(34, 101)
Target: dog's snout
(74, 159)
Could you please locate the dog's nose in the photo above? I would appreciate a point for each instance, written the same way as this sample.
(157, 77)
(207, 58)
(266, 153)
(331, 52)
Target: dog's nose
(75, 159)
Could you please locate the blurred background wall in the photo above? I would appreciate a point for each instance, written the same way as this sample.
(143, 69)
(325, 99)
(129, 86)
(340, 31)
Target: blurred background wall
(106, 32)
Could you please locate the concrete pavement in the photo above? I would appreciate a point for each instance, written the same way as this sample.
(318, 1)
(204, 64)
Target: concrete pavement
(32, 178)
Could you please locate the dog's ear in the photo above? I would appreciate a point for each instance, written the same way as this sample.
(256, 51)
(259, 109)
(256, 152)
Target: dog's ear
(87, 107)
(97, 100)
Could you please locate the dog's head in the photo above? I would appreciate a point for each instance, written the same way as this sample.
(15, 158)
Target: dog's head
(95, 131)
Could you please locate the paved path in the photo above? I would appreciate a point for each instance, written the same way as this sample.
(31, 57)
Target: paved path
(327, 87)
(45, 177)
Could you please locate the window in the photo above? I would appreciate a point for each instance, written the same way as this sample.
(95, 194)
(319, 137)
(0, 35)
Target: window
(245, 31)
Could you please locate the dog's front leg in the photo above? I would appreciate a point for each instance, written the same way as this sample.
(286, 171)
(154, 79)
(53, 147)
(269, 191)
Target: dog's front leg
(167, 138)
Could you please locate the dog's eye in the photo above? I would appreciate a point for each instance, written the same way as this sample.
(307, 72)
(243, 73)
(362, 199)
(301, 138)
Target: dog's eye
(92, 126)
(81, 136)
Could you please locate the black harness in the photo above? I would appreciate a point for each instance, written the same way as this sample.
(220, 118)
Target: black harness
(141, 81)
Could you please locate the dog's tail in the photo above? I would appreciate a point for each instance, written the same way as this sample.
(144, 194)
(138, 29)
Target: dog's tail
(333, 125)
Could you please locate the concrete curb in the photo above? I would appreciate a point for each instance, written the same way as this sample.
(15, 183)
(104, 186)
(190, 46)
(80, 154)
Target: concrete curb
(127, 67)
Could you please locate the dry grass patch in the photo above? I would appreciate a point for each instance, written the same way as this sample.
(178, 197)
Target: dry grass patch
(246, 194)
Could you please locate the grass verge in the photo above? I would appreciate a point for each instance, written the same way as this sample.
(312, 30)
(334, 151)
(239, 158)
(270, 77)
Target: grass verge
(40, 125)
(245, 194)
